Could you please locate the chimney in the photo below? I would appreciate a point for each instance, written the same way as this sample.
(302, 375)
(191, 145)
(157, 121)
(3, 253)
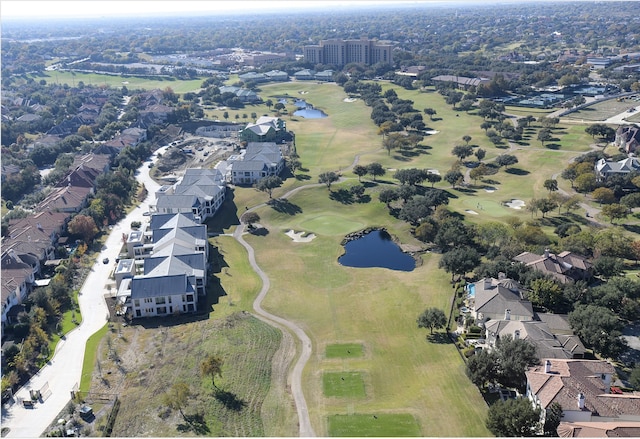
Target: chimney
(581, 401)
(547, 366)
(546, 252)
(507, 314)
(501, 276)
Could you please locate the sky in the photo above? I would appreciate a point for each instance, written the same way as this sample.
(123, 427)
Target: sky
(10, 9)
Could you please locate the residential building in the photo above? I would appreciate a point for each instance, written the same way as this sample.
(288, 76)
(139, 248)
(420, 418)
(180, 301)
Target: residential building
(461, 81)
(628, 138)
(583, 390)
(200, 191)
(17, 278)
(498, 299)
(604, 168)
(245, 95)
(599, 429)
(340, 52)
(258, 161)
(266, 129)
(566, 267)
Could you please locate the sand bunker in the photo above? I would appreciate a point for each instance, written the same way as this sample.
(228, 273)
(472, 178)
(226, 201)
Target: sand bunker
(515, 204)
(303, 92)
(471, 212)
(433, 171)
(349, 99)
(432, 132)
(298, 236)
(490, 189)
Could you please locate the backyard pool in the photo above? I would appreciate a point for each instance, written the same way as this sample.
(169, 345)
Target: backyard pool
(471, 291)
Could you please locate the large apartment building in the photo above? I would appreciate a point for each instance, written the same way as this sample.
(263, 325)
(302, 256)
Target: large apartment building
(340, 52)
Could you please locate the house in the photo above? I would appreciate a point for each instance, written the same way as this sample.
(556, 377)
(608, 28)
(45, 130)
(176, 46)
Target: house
(35, 235)
(583, 390)
(163, 295)
(305, 75)
(252, 76)
(266, 129)
(70, 199)
(258, 161)
(599, 429)
(325, 75)
(412, 71)
(157, 113)
(245, 95)
(604, 169)
(566, 267)
(200, 191)
(538, 333)
(277, 75)
(17, 278)
(498, 299)
(628, 138)
(99, 162)
(461, 81)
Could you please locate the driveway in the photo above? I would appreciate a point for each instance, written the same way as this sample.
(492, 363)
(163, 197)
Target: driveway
(64, 370)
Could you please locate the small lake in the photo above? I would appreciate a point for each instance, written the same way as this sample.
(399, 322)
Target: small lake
(376, 249)
(310, 113)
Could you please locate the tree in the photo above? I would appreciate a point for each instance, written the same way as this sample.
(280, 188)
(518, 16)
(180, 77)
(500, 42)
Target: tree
(360, 171)
(506, 160)
(454, 177)
(513, 418)
(225, 115)
(83, 226)
(466, 138)
(432, 318)
(545, 293)
(545, 205)
(604, 195)
(212, 365)
(177, 396)
(328, 178)
(433, 178)
(294, 164)
(430, 112)
(544, 135)
(459, 261)
(514, 357)
(268, 103)
(552, 418)
(599, 328)
(376, 170)
(570, 174)
(551, 185)
(480, 154)
(482, 368)
(250, 218)
(462, 151)
(615, 211)
(387, 196)
(478, 172)
(268, 184)
(411, 176)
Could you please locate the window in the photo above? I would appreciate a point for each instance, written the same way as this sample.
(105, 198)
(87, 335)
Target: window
(160, 300)
(161, 310)
(148, 300)
(169, 299)
(189, 297)
(137, 302)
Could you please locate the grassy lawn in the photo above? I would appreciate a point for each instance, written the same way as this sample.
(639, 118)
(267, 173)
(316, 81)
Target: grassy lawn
(343, 384)
(90, 356)
(380, 425)
(344, 350)
(601, 110)
(131, 82)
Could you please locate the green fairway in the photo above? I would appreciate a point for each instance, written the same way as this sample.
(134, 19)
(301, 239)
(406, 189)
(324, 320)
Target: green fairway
(331, 225)
(131, 82)
(380, 425)
(343, 384)
(345, 350)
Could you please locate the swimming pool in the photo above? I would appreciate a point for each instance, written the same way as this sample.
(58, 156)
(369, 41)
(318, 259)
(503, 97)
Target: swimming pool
(471, 291)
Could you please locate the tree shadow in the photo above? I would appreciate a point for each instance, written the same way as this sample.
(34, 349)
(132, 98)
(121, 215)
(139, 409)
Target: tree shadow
(195, 423)
(553, 146)
(283, 205)
(439, 338)
(369, 184)
(229, 400)
(342, 196)
(401, 158)
(303, 177)
(226, 215)
(632, 228)
(363, 199)
(424, 148)
(516, 171)
(466, 190)
(259, 231)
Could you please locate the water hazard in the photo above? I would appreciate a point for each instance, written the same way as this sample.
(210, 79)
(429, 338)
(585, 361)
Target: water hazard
(376, 249)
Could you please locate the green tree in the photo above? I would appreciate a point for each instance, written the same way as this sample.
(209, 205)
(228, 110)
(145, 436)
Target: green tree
(268, 103)
(551, 185)
(432, 318)
(544, 135)
(506, 160)
(462, 151)
(615, 212)
(514, 357)
(430, 112)
(387, 196)
(454, 177)
(466, 138)
(552, 418)
(360, 171)
(84, 226)
(459, 261)
(604, 195)
(433, 178)
(545, 293)
(225, 115)
(513, 418)
(480, 154)
(328, 178)
(268, 184)
(177, 397)
(212, 365)
(482, 368)
(478, 172)
(376, 170)
(250, 218)
(599, 328)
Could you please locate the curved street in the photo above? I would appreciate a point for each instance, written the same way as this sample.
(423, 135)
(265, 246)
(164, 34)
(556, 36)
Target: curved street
(63, 373)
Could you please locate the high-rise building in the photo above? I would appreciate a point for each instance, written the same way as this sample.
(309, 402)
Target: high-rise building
(340, 52)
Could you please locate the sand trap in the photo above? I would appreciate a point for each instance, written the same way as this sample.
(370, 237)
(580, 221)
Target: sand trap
(490, 189)
(515, 204)
(349, 99)
(303, 92)
(297, 236)
(471, 212)
(432, 132)
(433, 171)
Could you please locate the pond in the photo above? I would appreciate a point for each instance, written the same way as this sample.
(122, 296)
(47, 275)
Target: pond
(376, 249)
(310, 113)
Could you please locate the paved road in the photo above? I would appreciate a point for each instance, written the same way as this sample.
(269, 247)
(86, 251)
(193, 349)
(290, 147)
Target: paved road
(64, 370)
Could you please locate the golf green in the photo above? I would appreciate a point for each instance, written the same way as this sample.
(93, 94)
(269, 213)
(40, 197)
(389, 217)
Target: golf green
(331, 225)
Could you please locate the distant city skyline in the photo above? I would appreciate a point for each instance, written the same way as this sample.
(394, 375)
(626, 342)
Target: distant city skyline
(21, 9)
